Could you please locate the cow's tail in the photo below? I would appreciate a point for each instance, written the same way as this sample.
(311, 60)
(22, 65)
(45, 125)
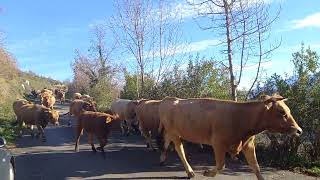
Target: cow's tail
(160, 138)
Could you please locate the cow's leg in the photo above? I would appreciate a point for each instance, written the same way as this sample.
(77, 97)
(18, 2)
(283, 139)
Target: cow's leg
(103, 142)
(180, 150)
(90, 141)
(32, 131)
(127, 128)
(78, 134)
(20, 124)
(250, 153)
(219, 154)
(166, 144)
(41, 132)
(147, 135)
(123, 127)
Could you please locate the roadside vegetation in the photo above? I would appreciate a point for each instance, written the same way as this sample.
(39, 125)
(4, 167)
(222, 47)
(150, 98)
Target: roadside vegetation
(15, 84)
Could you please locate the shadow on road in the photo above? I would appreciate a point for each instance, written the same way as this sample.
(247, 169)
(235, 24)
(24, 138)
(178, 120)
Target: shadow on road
(127, 160)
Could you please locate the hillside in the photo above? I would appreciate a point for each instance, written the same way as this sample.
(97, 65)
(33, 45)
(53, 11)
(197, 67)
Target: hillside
(15, 84)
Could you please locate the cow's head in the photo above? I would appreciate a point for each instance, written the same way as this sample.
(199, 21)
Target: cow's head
(279, 118)
(51, 116)
(87, 106)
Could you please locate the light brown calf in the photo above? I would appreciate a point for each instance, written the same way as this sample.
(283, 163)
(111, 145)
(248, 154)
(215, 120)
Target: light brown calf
(225, 125)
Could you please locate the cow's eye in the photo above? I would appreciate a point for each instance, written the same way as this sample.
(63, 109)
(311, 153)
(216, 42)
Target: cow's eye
(283, 113)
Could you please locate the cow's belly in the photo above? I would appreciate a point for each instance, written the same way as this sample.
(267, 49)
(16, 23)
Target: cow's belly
(194, 134)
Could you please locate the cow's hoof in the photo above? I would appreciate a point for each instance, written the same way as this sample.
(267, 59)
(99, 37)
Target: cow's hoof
(191, 174)
(100, 149)
(209, 173)
(94, 149)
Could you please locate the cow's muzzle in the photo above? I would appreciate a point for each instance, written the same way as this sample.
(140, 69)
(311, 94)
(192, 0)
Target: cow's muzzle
(295, 131)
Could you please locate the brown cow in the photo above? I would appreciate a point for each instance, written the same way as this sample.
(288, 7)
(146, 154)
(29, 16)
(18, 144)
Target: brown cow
(77, 105)
(76, 96)
(34, 114)
(148, 116)
(17, 104)
(225, 125)
(60, 95)
(94, 123)
(48, 100)
(45, 93)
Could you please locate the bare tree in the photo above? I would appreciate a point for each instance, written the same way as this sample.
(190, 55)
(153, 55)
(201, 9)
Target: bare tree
(90, 69)
(131, 26)
(245, 25)
(167, 38)
(150, 33)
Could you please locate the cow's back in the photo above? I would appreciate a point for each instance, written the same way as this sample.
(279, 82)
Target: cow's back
(119, 107)
(197, 120)
(18, 104)
(30, 113)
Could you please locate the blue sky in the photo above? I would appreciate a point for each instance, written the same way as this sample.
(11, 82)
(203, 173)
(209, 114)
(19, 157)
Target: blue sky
(43, 34)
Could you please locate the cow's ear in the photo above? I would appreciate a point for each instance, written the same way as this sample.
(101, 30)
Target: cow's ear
(108, 120)
(277, 97)
(268, 101)
(135, 102)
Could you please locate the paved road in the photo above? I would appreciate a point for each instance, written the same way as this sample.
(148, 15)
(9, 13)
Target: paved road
(126, 158)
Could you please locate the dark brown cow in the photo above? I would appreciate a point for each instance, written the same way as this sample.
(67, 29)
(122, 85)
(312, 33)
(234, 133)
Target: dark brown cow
(225, 125)
(94, 123)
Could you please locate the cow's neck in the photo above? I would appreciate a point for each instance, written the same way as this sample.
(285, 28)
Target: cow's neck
(257, 123)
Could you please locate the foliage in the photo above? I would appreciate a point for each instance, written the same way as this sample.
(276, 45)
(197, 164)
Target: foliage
(302, 91)
(94, 73)
(201, 78)
(14, 85)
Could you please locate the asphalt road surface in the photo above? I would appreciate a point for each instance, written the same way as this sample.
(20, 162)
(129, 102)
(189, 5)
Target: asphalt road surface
(126, 158)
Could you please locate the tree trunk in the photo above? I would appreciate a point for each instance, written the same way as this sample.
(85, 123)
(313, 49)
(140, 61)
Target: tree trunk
(228, 34)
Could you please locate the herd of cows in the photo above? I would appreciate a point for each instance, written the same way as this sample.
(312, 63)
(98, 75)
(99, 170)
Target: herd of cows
(227, 126)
